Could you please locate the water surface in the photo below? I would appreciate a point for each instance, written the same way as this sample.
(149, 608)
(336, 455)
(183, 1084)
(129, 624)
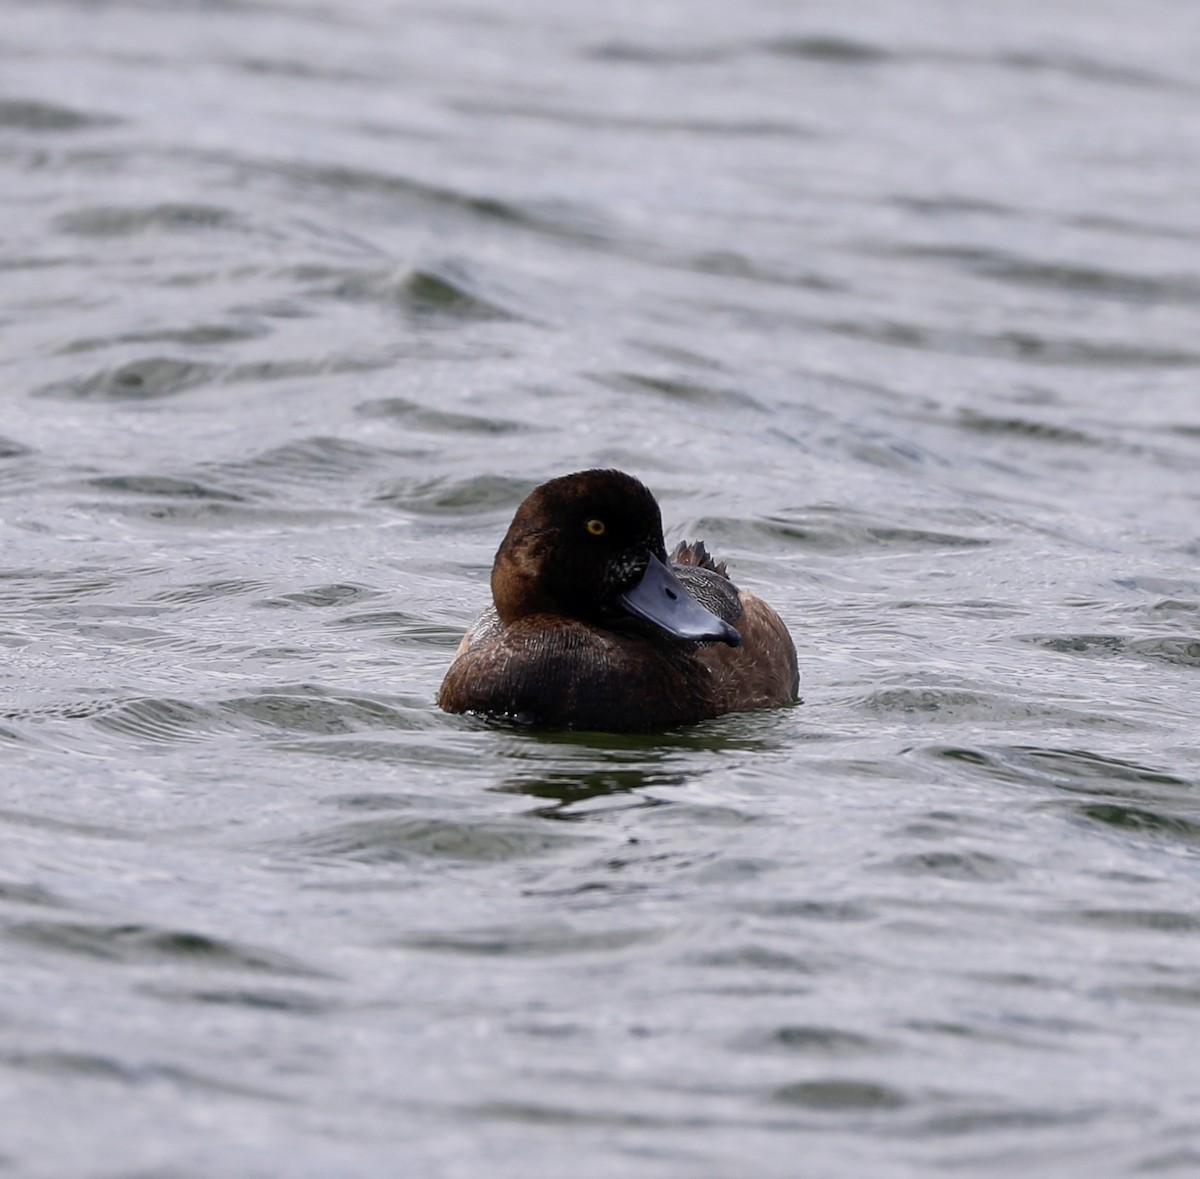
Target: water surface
(894, 306)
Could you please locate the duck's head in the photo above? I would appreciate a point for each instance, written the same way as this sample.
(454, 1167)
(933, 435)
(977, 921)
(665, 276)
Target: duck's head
(590, 546)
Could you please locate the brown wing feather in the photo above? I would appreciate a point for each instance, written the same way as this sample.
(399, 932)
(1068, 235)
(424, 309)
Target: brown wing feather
(761, 672)
(695, 552)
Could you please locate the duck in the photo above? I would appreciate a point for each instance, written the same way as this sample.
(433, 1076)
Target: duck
(593, 627)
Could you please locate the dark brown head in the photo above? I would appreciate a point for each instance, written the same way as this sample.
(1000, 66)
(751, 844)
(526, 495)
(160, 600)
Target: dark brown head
(590, 546)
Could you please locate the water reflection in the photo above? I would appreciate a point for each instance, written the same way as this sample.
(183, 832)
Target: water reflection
(565, 790)
(569, 768)
(302, 300)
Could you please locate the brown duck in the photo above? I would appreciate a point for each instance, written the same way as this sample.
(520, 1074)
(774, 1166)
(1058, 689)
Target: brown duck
(593, 628)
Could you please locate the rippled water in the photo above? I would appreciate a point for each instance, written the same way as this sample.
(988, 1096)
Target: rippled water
(895, 305)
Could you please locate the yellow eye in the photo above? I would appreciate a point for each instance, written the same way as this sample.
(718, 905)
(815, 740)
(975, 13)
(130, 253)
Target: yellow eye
(596, 527)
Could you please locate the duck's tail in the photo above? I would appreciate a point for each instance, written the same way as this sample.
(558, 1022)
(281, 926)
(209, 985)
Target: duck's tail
(694, 552)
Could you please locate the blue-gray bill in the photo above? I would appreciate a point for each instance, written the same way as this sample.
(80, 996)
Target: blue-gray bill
(660, 598)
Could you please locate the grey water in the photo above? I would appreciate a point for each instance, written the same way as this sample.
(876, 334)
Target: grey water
(893, 305)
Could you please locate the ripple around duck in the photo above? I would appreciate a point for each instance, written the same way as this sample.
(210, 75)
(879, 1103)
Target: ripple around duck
(1017, 345)
(1159, 585)
(1063, 277)
(201, 335)
(389, 753)
(162, 720)
(758, 958)
(94, 1066)
(691, 392)
(731, 264)
(957, 705)
(146, 379)
(435, 421)
(307, 709)
(9, 448)
(826, 529)
(22, 114)
(482, 494)
(254, 998)
(1181, 651)
(308, 460)
(15, 893)
(1153, 823)
(68, 827)
(1075, 770)
(162, 486)
(36, 587)
(320, 367)
(614, 121)
(840, 1095)
(383, 841)
(321, 597)
(396, 626)
(145, 944)
(209, 591)
(124, 221)
(1185, 606)
(1134, 920)
(15, 736)
(640, 52)
(828, 49)
(1175, 994)
(394, 194)
(1021, 427)
(449, 292)
(1123, 798)
(535, 1114)
(983, 1119)
(525, 942)
(1087, 68)
(223, 515)
(949, 865)
(809, 1040)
